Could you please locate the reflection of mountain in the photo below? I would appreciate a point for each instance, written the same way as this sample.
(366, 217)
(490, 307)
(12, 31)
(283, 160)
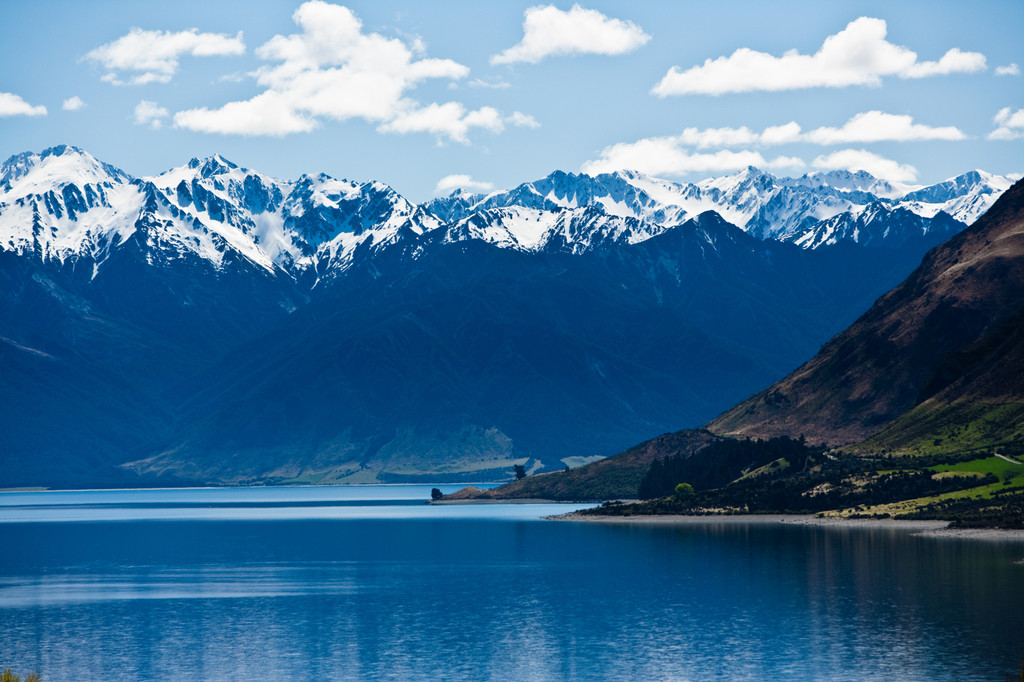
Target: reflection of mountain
(213, 323)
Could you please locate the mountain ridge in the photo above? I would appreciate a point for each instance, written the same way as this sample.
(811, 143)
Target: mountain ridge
(246, 329)
(313, 225)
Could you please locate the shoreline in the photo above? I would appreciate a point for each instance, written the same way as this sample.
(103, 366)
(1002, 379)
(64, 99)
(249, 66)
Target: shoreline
(923, 528)
(518, 500)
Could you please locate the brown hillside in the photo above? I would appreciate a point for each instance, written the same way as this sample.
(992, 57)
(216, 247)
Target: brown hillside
(937, 332)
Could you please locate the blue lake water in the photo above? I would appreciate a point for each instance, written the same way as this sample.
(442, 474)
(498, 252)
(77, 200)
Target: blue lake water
(371, 583)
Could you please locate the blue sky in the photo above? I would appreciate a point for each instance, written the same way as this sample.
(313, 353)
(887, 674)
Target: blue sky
(430, 96)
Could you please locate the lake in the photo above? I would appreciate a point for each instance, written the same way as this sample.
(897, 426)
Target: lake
(371, 583)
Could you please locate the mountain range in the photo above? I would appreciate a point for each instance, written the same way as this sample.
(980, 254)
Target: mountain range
(932, 372)
(214, 324)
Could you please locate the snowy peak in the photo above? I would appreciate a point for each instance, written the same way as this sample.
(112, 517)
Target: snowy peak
(879, 226)
(63, 203)
(313, 223)
(965, 197)
(748, 182)
(331, 218)
(54, 168)
(766, 206)
(213, 165)
(223, 179)
(972, 182)
(850, 182)
(574, 230)
(455, 206)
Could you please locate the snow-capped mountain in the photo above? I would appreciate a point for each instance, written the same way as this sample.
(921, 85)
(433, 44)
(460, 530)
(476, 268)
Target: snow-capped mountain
(315, 223)
(212, 323)
(878, 225)
(570, 230)
(64, 203)
(799, 210)
(964, 197)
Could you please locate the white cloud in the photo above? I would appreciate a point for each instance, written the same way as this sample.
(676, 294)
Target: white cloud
(788, 162)
(269, 113)
(673, 154)
(331, 69)
(860, 159)
(479, 83)
(449, 183)
(666, 156)
(152, 56)
(686, 152)
(13, 105)
(549, 31)
(1011, 125)
(73, 104)
(522, 120)
(449, 120)
(857, 55)
(150, 113)
(1008, 70)
(877, 126)
(781, 134)
(954, 61)
(710, 138)
(233, 77)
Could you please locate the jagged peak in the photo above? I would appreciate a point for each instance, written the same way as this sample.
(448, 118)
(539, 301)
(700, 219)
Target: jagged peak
(213, 165)
(55, 167)
(750, 177)
(980, 177)
(62, 149)
(463, 193)
(972, 182)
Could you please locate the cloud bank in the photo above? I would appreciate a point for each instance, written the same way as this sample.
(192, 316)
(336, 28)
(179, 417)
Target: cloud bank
(857, 55)
(687, 152)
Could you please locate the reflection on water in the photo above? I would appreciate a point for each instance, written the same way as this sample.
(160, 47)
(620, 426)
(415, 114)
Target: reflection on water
(490, 593)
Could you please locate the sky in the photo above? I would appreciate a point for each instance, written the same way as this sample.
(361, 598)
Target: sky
(429, 97)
